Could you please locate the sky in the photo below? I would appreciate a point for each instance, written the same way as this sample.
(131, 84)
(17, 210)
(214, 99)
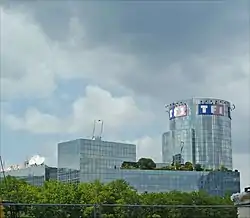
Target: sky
(65, 64)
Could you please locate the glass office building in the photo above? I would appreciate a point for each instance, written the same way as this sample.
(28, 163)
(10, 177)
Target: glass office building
(87, 160)
(220, 183)
(34, 175)
(215, 183)
(200, 133)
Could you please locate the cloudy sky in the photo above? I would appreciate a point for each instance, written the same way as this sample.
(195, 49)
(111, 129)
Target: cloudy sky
(67, 63)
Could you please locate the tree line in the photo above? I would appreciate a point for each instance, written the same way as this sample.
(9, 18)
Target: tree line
(149, 164)
(113, 200)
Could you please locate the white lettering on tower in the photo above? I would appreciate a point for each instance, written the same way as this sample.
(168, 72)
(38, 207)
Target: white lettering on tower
(204, 108)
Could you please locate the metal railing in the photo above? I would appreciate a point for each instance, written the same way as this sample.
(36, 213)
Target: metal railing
(13, 210)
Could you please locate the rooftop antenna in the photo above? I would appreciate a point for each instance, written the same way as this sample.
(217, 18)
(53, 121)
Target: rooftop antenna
(94, 135)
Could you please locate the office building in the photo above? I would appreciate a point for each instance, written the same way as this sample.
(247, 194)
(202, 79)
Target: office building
(34, 175)
(86, 160)
(199, 132)
(215, 183)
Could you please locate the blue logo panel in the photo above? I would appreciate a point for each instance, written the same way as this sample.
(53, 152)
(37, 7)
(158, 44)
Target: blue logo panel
(204, 109)
(211, 109)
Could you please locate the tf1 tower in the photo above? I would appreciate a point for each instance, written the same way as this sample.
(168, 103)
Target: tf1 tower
(200, 133)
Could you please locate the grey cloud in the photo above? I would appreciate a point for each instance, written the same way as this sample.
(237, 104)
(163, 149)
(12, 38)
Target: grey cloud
(49, 14)
(159, 33)
(151, 28)
(165, 33)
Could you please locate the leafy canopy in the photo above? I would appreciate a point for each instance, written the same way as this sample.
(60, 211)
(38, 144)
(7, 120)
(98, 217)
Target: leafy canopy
(106, 200)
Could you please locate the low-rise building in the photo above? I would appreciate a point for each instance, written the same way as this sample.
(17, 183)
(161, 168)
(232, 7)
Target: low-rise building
(86, 160)
(33, 171)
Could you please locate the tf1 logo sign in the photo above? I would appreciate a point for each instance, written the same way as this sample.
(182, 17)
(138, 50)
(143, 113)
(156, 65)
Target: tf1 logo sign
(178, 111)
(211, 109)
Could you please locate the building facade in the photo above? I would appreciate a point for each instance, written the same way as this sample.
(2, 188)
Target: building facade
(200, 133)
(86, 160)
(34, 175)
(214, 183)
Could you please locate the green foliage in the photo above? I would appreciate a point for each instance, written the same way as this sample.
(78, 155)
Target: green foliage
(109, 200)
(149, 164)
(129, 165)
(223, 168)
(146, 164)
(143, 164)
(198, 167)
(189, 166)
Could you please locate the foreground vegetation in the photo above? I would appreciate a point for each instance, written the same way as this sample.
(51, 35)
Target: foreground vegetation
(117, 192)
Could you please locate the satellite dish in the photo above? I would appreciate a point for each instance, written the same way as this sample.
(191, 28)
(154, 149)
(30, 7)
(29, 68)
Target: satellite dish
(36, 160)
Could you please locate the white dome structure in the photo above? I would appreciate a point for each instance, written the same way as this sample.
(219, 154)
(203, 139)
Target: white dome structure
(36, 160)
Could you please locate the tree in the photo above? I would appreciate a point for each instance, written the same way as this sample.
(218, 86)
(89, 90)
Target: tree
(129, 165)
(223, 168)
(198, 167)
(146, 164)
(102, 198)
(177, 166)
(189, 166)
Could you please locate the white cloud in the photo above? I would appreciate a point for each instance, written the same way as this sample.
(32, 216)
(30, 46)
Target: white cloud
(25, 57)
(34, 121)
(49, 151)
(117, 112)
(149, 147)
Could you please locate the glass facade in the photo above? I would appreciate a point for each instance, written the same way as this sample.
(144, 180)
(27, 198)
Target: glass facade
(200, 132)
(69, 161)
(159, 180)
(215, 183)
(86, 160)
(35, 175)
(220, 183)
